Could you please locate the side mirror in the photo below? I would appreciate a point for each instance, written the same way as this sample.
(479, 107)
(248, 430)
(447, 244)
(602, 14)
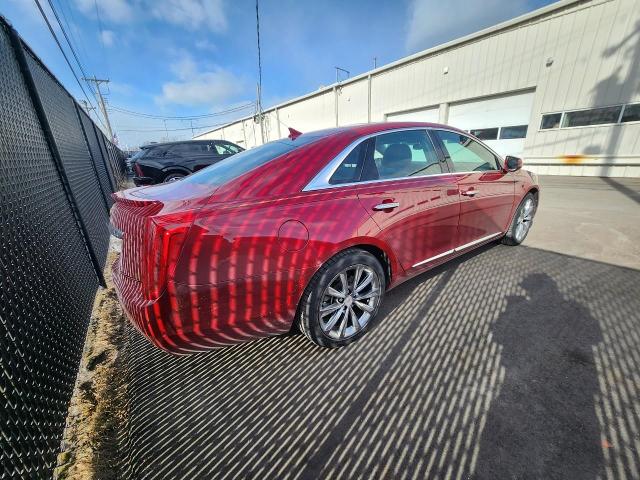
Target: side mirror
(512, 164)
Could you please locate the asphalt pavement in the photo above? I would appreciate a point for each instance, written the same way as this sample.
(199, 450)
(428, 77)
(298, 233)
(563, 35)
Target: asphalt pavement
(510, 362)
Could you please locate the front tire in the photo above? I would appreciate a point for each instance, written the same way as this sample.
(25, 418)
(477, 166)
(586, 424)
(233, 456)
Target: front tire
(522, 221)
(342, 299)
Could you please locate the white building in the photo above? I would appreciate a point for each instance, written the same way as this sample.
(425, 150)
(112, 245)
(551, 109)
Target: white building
(559, 86)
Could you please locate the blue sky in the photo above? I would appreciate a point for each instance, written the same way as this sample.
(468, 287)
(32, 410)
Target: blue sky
(191, 57)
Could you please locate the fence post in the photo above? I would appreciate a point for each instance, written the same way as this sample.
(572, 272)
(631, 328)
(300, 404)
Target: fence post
(18, 51)
(93, 162)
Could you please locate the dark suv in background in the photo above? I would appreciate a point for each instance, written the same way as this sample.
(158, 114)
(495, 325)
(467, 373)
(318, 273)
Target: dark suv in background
(166, 162)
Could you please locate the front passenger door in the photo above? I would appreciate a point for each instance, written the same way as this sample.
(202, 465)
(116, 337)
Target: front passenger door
(487, 192)
(403, 171)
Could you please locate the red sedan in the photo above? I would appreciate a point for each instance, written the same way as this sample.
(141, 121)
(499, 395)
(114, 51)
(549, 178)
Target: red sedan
(312, 229)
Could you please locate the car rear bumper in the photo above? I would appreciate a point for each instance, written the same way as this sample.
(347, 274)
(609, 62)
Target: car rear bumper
(141, 181)
(189, 319)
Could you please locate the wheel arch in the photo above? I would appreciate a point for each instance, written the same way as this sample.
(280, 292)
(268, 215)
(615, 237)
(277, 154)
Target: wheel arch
(381, 251)
(175, 169)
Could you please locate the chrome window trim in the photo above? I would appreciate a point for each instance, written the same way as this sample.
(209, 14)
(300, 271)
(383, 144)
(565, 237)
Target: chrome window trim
(321, 180)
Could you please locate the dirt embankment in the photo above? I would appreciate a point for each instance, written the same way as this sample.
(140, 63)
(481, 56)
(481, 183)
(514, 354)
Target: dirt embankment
(97, 413)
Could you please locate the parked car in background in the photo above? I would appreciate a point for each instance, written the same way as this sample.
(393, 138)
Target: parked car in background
(313, 229)
(167, 162)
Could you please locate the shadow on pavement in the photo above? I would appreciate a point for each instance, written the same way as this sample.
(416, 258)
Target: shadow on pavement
(543, 423)
(509, 362)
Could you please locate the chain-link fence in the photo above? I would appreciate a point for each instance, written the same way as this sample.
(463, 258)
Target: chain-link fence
(57, 171)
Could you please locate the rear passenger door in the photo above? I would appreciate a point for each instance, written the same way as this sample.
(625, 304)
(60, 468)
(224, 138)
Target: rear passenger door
(409, 194)
(487, 192)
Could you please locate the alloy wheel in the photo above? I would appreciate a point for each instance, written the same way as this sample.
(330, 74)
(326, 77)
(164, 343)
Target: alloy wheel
(349, 301)
(524, 220)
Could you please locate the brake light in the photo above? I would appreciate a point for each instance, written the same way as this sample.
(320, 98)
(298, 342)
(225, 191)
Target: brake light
(166, 236)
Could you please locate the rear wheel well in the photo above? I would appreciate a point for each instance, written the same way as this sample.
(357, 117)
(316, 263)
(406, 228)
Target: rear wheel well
(381, 256)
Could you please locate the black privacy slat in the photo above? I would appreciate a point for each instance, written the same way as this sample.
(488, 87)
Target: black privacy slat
(99, 160)
(48, 279)
(63, 119)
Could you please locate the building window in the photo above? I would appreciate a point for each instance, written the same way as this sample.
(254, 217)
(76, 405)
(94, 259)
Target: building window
(485, 133)
(631, 113)
(516, 131)
(550, 120)
(593, 116)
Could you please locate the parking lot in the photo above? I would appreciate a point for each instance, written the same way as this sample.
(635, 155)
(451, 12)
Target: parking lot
(507, 363)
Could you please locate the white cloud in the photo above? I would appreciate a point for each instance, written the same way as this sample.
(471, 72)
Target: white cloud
(189, 14)
(192, 14)
(108, 37)
(434, 21)
(118, 11)
(193, 87)
(205, 44)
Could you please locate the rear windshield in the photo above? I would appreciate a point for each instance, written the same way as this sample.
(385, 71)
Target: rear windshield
(241, 163)
(139, 154)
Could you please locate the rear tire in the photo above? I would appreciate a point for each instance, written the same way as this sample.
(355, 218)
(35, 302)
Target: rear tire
(172, 177)
(522, 221)
(342, 299)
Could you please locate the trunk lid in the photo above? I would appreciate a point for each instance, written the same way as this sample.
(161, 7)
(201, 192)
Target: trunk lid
(137, 211)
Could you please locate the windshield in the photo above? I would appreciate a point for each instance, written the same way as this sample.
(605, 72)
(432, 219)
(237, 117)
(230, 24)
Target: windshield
(241, 163)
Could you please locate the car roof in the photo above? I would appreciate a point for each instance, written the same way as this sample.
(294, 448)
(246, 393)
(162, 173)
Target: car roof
(371, 128)
(179, 142)
(378, 127)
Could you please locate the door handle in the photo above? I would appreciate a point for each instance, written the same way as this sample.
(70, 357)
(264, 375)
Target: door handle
(469, 193)
(386, 206)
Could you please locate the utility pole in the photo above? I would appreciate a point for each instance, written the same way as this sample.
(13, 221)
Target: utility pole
(375, 62)
(191, 121)
(87, 107)
(166, 132)
(103, 108)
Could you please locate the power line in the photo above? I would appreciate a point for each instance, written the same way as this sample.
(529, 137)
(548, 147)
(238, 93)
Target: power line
(55, 37)
(64, 32)
(197, 127)
(71, 27)
(184, 117)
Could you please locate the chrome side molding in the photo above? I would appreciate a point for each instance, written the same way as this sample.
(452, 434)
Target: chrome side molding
(457, 249)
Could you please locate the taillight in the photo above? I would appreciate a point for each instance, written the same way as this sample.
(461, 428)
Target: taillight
(166, 236)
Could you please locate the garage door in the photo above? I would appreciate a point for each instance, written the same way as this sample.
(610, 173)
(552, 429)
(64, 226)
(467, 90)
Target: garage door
(425, 115)
(501, 122)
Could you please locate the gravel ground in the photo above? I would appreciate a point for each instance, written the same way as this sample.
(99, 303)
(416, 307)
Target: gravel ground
(97, 414)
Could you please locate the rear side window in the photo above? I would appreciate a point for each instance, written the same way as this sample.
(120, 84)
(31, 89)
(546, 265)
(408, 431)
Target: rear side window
(350, 168)
(189, 148)
(158, 151)
(466, 154)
